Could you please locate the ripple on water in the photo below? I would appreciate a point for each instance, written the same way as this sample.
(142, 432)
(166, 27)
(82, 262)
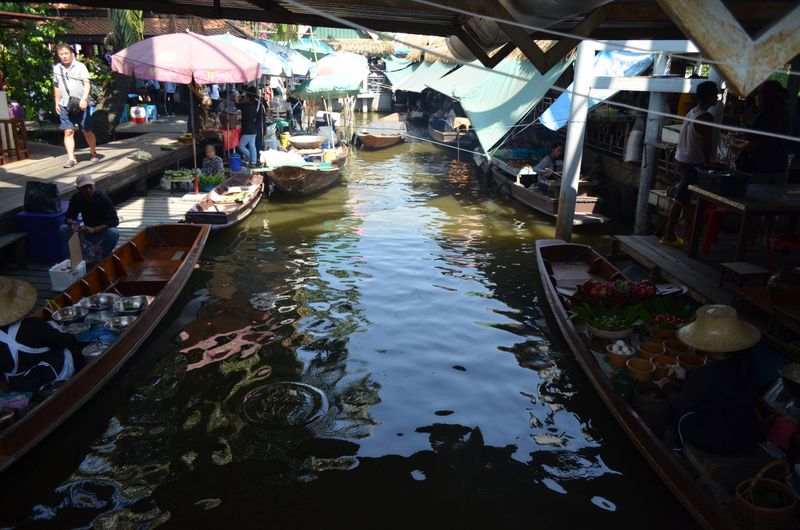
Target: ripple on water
(283, 405)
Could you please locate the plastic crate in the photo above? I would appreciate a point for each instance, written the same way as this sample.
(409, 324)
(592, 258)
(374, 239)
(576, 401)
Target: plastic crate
(723, 181)
(44, 240)
(62, 275)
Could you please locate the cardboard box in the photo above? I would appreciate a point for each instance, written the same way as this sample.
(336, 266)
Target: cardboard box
(62, 275)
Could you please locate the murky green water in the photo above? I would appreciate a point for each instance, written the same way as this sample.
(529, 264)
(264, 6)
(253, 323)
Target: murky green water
(432, 393)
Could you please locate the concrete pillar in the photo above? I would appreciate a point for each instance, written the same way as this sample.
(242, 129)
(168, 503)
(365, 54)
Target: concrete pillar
(652, 133)
(573, 148)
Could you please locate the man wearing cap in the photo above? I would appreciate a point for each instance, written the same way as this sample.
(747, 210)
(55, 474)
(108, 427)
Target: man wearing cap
(99, 234)
(72, 81)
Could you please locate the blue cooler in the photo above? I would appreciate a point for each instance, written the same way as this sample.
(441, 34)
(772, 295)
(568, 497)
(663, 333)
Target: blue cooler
(235, 161)
(44, 240)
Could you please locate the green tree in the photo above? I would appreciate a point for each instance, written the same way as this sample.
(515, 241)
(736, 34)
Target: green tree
(26, 60)
(285, 33)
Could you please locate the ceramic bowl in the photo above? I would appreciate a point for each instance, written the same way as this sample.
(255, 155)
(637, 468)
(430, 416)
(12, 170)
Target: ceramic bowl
(646, 350)
(68, 315)
(640, 369)
(664, 364)
(99, 301)
(616, 360)
(676, 347)
(119, 324)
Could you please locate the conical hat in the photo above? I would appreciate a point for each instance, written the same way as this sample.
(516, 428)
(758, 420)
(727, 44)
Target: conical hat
(17, 298)
(717, 328)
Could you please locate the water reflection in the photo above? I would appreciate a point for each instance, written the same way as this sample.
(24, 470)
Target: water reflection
(404, 304)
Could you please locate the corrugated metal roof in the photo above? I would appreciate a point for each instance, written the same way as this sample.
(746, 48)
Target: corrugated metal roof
(324, 33)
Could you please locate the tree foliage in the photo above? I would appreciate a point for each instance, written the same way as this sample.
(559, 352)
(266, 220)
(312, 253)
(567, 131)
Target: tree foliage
(285, 33)
(26, 60)
(127, 27)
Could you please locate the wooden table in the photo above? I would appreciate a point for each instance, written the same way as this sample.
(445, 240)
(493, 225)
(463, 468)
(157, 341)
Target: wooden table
(761, 200)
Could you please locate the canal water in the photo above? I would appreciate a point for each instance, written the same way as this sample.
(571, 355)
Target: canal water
(374, 357)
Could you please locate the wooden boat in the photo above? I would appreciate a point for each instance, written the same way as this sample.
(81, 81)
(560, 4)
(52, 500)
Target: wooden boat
(310, 178)
(463, 135)
(543, 197)
(230, 202)
(156, 262)
(382, 133)
(564, 266)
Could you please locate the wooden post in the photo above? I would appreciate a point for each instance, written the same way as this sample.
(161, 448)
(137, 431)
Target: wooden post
(576, 130)
(650, 156)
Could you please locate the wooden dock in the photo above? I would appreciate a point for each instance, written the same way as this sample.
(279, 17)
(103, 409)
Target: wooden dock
(118, 168)
(676, 266)
(157, 207)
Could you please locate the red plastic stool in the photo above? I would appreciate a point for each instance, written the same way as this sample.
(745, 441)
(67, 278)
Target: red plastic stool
(782, 241)
(715, 217)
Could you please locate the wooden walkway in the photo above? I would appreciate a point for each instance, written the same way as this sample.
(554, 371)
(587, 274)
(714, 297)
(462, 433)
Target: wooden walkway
(675, 265)
(157, 207)
(118, 167)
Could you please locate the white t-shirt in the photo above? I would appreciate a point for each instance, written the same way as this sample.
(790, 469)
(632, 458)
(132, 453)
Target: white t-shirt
(214, 91)
(74, 75)
(690, 142)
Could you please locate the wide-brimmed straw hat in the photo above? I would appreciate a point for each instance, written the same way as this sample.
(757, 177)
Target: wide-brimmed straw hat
(718, 329)
(17, 298)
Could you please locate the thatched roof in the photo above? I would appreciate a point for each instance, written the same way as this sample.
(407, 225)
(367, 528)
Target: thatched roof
(368, 47)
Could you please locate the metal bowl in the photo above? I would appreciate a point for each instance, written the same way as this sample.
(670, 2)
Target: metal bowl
(118, 324)
(131, 305)
(94, 349)
(307, 142)
(48, 389)
(77, 328)
(100, 317)
(99, 301)
(68, 315)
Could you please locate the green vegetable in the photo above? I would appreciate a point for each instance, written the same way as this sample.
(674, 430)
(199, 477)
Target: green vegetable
(614, 319)
(211, 180)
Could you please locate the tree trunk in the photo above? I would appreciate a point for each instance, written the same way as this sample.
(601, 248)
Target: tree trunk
(106, 115)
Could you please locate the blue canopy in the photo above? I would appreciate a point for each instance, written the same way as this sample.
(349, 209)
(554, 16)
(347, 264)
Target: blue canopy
(611, 64)
(309, 47)
(424, 75)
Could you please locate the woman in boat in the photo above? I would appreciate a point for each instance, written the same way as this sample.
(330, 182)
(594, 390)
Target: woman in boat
(212, 164)
(553, 162)
(32, 353)
(715, 407)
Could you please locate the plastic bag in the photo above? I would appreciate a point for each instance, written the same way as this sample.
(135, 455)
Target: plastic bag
(41, 197)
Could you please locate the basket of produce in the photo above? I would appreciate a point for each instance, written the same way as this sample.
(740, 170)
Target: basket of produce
(616, 293)
(763, 503)
(663, 315)
(615, 323)
(208, 182)
(179, 175)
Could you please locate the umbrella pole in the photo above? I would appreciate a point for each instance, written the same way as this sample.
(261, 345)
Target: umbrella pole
(194, 143)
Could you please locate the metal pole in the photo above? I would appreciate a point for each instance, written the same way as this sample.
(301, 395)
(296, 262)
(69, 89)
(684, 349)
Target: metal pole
(650, 154)
(194, 145)
(573, 150)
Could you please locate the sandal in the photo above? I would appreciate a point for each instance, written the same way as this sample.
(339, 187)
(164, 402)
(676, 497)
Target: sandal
(70, 163)
(95, 160)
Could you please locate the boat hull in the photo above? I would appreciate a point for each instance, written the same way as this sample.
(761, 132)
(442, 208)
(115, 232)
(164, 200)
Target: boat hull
(452, 138)
(563, 266)
(219, 216)
(158, 262)
(375, 141)
(302, 181)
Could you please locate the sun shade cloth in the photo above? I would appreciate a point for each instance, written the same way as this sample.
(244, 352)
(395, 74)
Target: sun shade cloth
(328, 86)
(271, 63)
(496, 101)
(310, 46)
(398, 70)
(299, 64)
(424, 75)
(611, 64)
(179, 57)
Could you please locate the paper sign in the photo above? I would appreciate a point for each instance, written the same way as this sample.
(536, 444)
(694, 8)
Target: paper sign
(75, 253)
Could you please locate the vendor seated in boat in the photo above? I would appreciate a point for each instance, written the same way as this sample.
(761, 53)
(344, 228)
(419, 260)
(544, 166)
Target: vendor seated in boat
(98, 233)
(716, 408)
(212, 164)
(551, 165)
(32, 353)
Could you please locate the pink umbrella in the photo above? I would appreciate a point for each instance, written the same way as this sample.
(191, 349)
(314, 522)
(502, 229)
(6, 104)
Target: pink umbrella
(181, 57)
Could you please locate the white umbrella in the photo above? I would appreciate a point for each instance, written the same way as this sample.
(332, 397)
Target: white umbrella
(299, 64)
(271, 63)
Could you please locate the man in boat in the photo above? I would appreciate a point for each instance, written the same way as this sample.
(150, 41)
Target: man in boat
(715, 408)
(694, 149)
(98, 233)
(553, 162)
(32, 353)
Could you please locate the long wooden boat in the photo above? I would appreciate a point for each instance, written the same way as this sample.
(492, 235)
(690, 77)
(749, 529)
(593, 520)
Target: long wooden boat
(156, 262)
(308, 179)
(382, 133)
(546, 203)
(230, 202)
(463, 136)
(564, 266)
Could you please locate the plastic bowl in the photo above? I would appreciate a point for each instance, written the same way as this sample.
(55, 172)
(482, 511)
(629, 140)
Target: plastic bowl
(640, 369)
(307, 142)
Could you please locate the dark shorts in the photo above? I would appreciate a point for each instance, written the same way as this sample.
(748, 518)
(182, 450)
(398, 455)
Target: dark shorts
(79, 120)
(681, 193)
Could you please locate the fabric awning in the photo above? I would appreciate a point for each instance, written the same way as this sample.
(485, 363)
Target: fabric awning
(398, 70)
(495, 102)
(606, 63)
(424, 75)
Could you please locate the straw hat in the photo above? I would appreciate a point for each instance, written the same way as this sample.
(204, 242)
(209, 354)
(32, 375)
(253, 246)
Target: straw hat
(17, 298)
(717, 328)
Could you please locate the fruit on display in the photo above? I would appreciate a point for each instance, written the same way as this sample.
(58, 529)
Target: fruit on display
(667, 321)
(619, 289)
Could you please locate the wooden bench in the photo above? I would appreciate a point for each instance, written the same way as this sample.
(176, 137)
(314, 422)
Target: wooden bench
(17, 240)
(741, 272)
